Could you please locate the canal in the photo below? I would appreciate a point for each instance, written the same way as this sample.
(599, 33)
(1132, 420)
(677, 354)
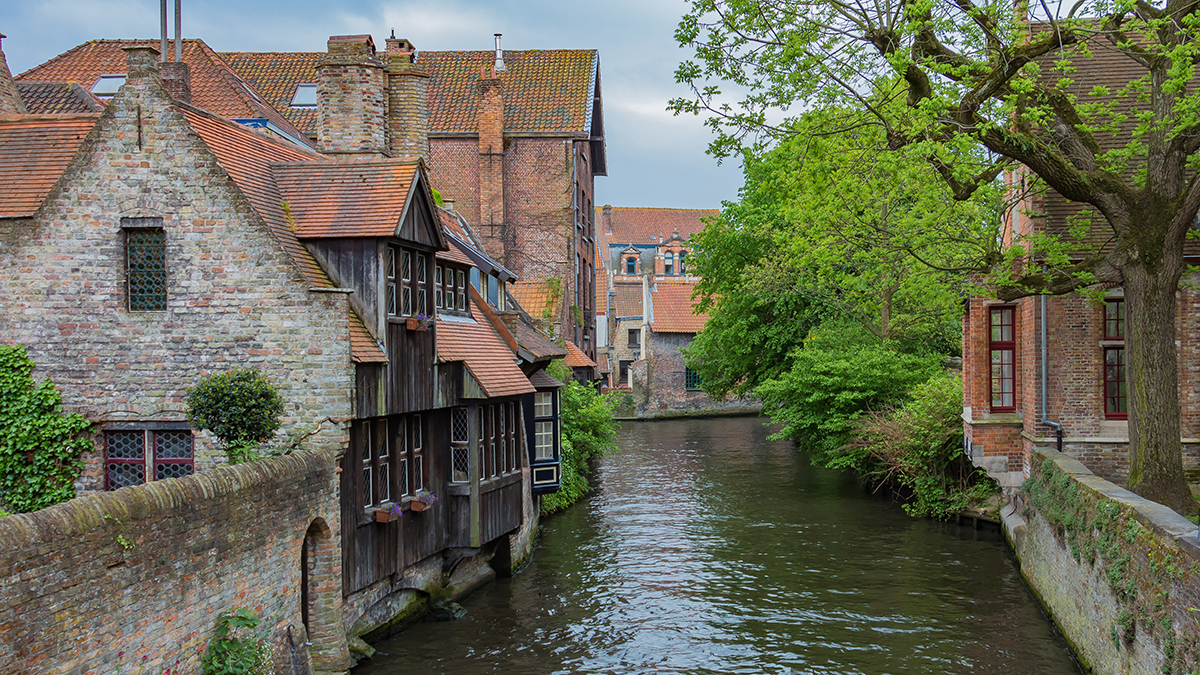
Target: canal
(708, 549)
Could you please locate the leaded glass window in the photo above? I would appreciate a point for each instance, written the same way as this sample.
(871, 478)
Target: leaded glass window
(146, 273)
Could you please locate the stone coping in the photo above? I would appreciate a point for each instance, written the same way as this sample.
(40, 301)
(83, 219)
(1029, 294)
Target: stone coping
(85, 513)
(1161, 519)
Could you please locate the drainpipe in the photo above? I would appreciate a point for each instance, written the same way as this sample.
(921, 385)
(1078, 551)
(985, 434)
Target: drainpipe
(1058, 430)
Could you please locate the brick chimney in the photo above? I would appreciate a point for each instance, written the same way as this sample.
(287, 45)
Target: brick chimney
(10, 100)
(408, 105)
(490, 124)
(177, 80)
(141, 61)
(351, 97)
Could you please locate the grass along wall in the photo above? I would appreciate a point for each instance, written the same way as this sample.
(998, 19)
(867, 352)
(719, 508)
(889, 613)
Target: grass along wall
(1119, 574)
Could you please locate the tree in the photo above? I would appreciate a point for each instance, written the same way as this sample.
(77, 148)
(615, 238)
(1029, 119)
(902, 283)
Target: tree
(240, 407)
(985, 91)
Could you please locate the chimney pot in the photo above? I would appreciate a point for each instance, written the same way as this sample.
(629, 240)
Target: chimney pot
(500, 68)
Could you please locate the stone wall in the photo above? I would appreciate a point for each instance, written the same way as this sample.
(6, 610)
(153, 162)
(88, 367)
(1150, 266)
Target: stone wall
(659, 383)
(1119, 574)
(146, 570)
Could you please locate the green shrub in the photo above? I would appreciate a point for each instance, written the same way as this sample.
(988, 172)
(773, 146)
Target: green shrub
(239, 407)
(235, 649)
(588, 432)
(39, 445)
(919, 446)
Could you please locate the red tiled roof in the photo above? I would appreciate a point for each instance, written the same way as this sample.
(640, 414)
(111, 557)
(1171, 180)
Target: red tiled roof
(673, 309)
(53, 98)
(636, 225)
(215, 86)
(247, 157)
(537, 344)
(362, 198)
(485, 356)
(537, 298)
(602, 364)
(627, 300)
(453, 228)
(576, 358)
(34, 152)
(363, 347)
(545, 90)
(601, 282)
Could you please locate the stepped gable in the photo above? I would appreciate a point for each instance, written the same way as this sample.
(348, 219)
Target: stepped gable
(35, 150)
(215, 86)
(545, 90)
(622, 225)
(56, 98)
(673, 309)
(346, 198)
(492, 363)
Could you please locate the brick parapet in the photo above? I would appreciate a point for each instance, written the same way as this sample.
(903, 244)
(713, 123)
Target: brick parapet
(150, 567)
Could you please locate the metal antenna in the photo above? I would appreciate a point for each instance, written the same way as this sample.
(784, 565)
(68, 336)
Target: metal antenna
(162, 43)
(178, 30)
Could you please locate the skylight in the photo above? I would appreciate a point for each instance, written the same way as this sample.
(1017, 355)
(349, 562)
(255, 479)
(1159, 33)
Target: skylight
(108, 85)
(305, 97)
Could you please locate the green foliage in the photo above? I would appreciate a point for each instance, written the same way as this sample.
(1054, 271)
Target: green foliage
(918, 446)
(240, 407)
(40, 447)
(832, 382)
(588, 432)
(235, 649)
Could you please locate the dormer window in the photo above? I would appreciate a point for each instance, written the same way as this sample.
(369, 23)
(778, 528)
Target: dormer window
(107, 85)
(437, 287)
(305, 96)
(682, 264)
(631, 265)
(669, 263)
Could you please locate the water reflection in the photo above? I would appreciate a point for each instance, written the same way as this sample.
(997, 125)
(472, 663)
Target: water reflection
(708, 549)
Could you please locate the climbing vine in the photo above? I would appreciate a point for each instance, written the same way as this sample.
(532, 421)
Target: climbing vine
(1137, 566)
(40, 446)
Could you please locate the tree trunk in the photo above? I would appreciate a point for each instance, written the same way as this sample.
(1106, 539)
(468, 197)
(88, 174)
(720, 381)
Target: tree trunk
(1155, 426)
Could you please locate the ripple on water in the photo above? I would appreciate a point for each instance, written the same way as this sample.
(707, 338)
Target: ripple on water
(708, 549)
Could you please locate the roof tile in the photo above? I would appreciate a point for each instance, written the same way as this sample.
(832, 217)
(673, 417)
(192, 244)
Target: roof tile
(537, 298)
(485, 356)
(34, 152)
(673, 309)
(624, 225)
(576, 358)
(52, 98)
(363, 347)
(363, 198)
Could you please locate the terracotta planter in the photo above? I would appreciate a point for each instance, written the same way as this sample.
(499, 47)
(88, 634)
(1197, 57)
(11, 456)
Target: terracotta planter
(413, 323)
(386, 515)
(418, 506)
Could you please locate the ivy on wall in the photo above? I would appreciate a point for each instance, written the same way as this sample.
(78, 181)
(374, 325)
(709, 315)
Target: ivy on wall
(40, 446)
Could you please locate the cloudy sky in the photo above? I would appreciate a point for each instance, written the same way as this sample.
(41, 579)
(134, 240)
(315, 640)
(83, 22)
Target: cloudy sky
(654, 158)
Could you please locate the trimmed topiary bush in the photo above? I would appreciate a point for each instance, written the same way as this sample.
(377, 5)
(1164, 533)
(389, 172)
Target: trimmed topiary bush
(240, 407)
(39, 445)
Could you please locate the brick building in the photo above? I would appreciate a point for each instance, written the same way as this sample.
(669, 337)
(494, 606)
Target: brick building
(154, 242)
(644, 301)
(1042, 366)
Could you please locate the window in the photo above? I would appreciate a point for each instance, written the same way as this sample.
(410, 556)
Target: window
(418, 455)
(368, 464)
(437, 286)
(462, 291)
(543, 404)
(493, 291)
(623, 373)
(635, 337)
(107, 85)
(631, 265)
(460, 430)
(1116, 393)
(682, 263)
(406, 283)
(669, 263)
(691, 378)
(305, 96)
(126, 459)
(400, 429)
(1003, 350)
(422, 294)
(146, 265)
(390, 272)
(543, 440)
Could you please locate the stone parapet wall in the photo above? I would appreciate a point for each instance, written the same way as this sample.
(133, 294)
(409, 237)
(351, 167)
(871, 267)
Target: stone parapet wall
(146, 570)
(1119, 574)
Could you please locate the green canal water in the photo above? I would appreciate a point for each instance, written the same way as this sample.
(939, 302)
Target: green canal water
(707, 548)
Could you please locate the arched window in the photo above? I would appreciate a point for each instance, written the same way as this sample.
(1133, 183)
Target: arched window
(669, 263)
(631, 265)
(682, 263)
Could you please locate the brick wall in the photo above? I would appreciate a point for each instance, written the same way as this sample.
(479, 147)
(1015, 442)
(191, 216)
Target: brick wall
(665, 391)
(72, 596)
(1121, 629)
(234, 297)
(351, 97)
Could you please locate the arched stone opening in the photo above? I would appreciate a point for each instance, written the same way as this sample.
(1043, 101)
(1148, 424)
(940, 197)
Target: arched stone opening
(320, 599)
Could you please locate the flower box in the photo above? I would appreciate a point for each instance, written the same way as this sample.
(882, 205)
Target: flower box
(418, 506)
(419, 322)
(388, 514)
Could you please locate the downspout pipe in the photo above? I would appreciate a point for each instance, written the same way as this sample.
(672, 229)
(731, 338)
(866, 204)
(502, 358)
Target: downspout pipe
(1058, 430)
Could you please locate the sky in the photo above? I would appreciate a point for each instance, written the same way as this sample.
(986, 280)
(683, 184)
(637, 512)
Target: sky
(654, 158)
